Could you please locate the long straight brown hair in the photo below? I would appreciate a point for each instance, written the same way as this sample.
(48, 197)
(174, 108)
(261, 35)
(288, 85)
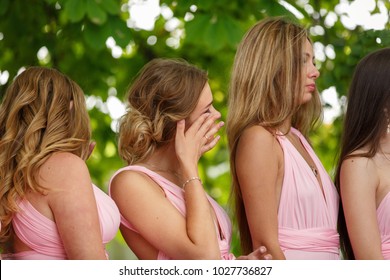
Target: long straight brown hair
(265, 89)
(365, 121)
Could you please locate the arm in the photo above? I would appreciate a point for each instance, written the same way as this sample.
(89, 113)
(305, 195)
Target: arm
(358, 185)
(73, 205)
(189, 146)
(143, 204)
(258, 160)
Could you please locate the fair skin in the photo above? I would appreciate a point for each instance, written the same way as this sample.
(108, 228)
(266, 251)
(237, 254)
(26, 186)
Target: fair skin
(194, 236)
(365, 180)
(191, 237)
(68, 193)
(260, 169)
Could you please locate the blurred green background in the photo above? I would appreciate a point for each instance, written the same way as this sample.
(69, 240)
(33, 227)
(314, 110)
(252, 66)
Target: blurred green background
(102, 44)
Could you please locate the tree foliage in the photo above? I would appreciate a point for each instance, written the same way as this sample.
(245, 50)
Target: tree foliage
(72, 36)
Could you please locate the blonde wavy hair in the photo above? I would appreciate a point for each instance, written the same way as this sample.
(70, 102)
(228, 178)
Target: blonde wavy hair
(164, 92)
(42, 112)
(265, 89)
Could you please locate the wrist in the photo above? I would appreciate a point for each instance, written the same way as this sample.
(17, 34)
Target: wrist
(190, 181)
(188, 172)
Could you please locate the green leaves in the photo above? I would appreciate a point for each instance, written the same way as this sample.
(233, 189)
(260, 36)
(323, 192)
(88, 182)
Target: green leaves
(3, 6)
(75, 10)
(100, 20)
(110, 6)
(96, 10)
(215, 32)
(95, 36)
(75, 33)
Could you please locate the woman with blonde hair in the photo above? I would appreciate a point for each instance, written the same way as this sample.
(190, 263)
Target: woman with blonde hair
(49, 208)
(284, 197)
(170, 123)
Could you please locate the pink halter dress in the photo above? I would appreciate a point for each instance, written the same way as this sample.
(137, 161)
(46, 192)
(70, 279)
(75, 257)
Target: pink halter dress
(383, 217)
(176, 196)
(307, 217)
(42, 236)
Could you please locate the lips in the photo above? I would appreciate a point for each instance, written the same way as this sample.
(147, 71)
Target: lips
(311, 87)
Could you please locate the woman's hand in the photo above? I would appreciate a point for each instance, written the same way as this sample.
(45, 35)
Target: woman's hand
(199, 138)
(258, 254)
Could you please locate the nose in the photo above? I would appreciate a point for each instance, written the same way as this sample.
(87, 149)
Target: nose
(214, 111)
(314, 73)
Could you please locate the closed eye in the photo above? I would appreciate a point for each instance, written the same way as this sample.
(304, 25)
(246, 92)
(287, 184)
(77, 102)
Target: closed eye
(307, 57)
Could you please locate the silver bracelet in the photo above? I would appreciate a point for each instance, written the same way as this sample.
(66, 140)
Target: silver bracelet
(191, 179)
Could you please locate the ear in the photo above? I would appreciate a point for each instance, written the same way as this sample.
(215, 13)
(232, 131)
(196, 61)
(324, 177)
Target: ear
(71, 105)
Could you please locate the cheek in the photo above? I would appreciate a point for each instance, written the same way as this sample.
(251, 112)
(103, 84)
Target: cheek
(190, 120)
(188, 124)
(307, 96)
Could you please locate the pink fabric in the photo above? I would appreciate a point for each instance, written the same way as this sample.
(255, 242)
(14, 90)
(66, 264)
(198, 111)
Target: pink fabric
(41, 234)
(307, 217)
(383, 217)
(176, 196)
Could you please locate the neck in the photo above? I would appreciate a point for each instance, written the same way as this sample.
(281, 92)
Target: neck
(384, 144)
(164, 162)
(164, 158)
(285, 127)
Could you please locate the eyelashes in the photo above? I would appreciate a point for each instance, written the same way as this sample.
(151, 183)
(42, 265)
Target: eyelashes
(313, 61)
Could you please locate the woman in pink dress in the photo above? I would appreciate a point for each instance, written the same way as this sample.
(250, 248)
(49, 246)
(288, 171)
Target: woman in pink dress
(49, 208)
(284, 198)
(170, 123)
(363, 172)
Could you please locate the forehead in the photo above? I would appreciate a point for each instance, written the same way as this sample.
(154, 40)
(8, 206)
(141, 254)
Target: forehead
(205, 98)
(206, 95)
(308, 48)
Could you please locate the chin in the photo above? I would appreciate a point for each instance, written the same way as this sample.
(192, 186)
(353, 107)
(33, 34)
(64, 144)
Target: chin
(306, 98)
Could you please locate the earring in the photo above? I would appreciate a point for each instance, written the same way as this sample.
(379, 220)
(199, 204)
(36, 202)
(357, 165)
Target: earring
(388, 121)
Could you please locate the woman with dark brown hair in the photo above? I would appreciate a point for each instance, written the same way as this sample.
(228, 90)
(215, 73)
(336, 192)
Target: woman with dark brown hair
(363, 171)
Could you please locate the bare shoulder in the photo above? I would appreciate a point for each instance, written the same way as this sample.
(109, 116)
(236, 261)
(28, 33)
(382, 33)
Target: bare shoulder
(258, 154)
(359, 170)
(64, 161)
(259, 137)
(355, 162)
(62, 169)
(132, 181)
(257, 132)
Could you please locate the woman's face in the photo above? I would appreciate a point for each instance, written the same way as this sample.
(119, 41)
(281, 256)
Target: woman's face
(205, 105)
(310, 72)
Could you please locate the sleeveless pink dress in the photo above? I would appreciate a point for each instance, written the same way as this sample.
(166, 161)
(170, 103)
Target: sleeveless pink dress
(42, 236)
(307, 217)
(383, 217)
(176, 196)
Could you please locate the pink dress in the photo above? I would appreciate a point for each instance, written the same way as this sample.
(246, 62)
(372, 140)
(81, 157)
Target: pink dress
(383, 217)
(42, 236)
(307, 217)
(176, 196)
